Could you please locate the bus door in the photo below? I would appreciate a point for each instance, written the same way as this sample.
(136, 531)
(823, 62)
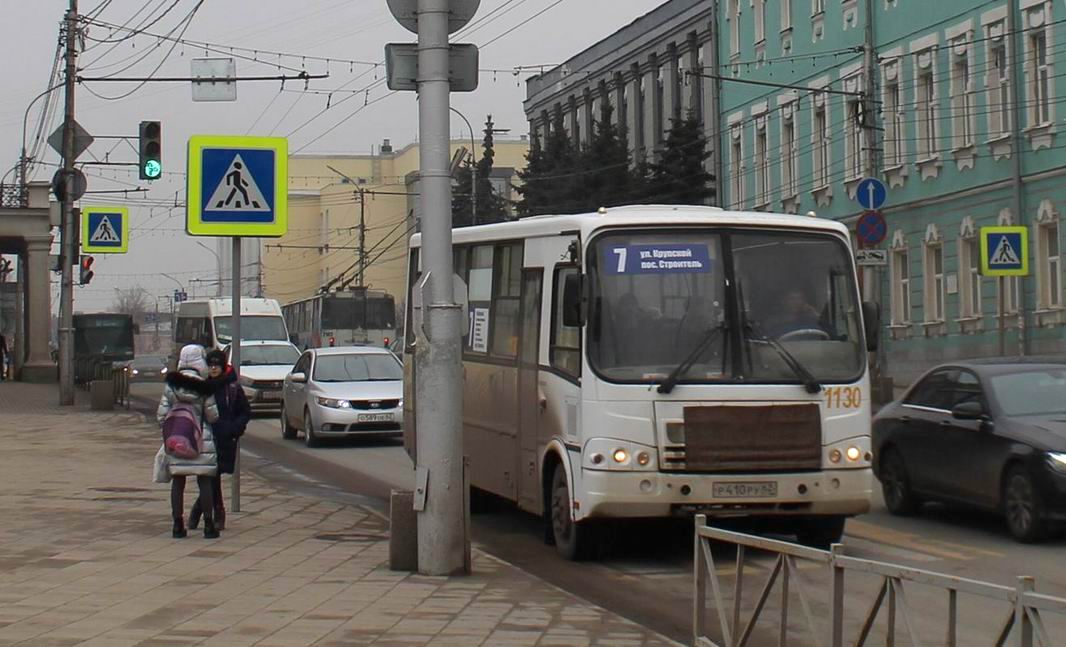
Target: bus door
(528, 392)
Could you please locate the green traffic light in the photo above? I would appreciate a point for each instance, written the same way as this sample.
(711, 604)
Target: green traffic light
(153, 169)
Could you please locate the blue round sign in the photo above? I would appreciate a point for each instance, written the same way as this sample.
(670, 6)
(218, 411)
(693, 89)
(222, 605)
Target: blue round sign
(871, 194)
(871, 228)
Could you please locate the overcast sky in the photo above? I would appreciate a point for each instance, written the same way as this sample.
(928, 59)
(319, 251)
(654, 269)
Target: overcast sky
(352, 30)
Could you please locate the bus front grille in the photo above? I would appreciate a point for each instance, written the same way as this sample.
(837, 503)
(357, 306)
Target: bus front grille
(739, 438)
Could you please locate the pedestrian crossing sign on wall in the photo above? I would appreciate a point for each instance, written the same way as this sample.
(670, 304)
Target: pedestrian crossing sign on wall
(1004, 251)
(105, 230)
(237, 186)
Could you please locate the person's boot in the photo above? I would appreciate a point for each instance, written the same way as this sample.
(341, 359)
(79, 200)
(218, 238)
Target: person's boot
(179, 531)
(194, 515)
(210, 530)
(220, 512)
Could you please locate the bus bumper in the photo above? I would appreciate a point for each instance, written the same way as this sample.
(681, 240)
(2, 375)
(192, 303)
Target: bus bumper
(657, 494)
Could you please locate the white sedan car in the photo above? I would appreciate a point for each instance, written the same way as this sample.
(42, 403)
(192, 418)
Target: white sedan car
(264, 365)
(344, 391)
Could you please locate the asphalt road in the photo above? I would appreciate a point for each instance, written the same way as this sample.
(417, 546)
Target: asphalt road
(646, 572)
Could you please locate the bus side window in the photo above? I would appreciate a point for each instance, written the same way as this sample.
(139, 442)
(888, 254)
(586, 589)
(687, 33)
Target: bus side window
(565, 350)
(506, 301)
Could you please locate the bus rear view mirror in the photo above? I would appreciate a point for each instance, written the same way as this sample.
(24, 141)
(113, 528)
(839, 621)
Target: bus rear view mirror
(871, 322)
(573, 288)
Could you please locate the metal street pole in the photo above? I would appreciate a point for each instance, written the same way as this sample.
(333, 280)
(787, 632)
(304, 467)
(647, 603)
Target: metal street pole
(218, 265)
(441, 527)
(235, 360)
(69, 247)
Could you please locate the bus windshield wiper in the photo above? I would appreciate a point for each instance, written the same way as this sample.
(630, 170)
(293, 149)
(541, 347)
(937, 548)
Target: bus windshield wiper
(809, 381)
(668, 384)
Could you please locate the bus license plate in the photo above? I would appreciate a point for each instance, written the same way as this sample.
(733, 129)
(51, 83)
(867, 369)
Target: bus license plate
(375, 417)
(755, 490)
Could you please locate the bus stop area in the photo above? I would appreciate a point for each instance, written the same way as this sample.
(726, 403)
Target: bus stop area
(86, 558)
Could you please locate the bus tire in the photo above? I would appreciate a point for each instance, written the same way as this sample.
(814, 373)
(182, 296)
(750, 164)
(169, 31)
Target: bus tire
(821, 532)
(288, 432)
(574, 540)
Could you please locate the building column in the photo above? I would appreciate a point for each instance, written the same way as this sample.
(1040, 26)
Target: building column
(691, 55)
(671, 90)
(650, 73)
(587, 117)
(632, 81)
(39, 366)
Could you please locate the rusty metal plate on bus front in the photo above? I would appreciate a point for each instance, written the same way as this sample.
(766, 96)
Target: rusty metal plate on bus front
(758, 438)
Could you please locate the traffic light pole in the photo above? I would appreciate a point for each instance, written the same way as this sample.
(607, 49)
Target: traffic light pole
(69, 248)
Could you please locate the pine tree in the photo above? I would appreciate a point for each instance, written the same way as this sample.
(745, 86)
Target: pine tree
(679, 175)
(549, 185)
(461, 216)
(490, 206)
(603, 173)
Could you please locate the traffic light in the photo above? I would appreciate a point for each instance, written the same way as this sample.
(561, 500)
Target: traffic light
(85, 270)
(151, 150)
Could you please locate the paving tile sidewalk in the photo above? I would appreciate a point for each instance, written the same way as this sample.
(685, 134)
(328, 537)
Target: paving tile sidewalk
(86, 558)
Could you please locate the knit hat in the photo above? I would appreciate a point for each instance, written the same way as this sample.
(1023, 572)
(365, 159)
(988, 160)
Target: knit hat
(216, 357)
(192, 358)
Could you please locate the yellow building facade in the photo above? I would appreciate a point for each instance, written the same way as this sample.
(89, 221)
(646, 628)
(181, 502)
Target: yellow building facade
(330, 195)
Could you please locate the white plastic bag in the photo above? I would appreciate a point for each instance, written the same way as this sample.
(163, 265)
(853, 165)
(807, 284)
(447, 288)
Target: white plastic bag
(160, 470)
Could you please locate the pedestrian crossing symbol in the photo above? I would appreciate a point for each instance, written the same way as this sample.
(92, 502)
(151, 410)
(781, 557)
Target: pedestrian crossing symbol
(105, 230)
(1004, 251)
(238, 186)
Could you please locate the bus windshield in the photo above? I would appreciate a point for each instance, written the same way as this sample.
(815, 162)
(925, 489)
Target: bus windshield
(354, 313)
(760, 306)
(253, 328)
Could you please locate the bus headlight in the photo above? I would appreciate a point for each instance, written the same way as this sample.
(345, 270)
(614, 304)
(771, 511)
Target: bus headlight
(608, 454)
(850, 453)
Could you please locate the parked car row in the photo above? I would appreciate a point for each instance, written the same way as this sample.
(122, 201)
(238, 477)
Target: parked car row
(985, 434)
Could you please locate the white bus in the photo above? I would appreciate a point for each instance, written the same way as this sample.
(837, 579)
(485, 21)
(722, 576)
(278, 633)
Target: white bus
(660, 361)
(208, 322)
(351, 317)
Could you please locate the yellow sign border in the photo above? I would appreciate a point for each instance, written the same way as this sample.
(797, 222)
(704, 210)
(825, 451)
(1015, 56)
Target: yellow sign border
(1023, 253)
(195, 226)
(88, 247)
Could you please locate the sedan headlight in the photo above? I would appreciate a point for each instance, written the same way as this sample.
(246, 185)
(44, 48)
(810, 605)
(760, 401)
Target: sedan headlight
(333, 403)
(618, 455)
(134, 371)
(1057, 461)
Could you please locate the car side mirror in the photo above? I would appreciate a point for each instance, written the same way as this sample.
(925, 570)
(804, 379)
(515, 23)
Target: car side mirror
(968, 411)
(573, 289)
(871, 323)
(294, 339)
(298, 378)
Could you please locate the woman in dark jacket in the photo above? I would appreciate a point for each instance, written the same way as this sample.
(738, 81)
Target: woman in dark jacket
(234, 412)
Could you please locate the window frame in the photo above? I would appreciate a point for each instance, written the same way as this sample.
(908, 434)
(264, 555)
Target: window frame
(790, 149)
(820, 138)
(736, 165)
(962, 93)
(762, 162)
(970, 277)
(901, 287)
(497, 285)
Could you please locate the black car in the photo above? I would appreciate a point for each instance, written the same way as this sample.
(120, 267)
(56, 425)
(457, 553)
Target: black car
(987, 434)
(147, 369)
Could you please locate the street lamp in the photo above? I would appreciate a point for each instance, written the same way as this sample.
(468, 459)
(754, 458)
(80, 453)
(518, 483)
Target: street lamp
(218, 264)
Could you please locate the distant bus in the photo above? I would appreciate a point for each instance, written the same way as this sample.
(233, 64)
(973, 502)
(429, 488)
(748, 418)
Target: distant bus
(101, 338)
(208, 322)
(355, 317)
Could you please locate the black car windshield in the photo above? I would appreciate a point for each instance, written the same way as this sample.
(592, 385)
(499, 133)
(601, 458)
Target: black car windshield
(1031, 393)
(357, 367)
(253, 327)
(268, 355)
(655, 296)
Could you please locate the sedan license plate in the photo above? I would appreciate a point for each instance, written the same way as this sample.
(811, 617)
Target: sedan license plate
(375, 417)
(754, 489)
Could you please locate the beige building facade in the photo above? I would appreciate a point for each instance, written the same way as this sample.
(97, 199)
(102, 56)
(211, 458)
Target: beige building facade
(330, 195)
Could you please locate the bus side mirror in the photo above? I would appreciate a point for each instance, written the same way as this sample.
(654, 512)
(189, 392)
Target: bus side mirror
(871, 322)
(573, 288)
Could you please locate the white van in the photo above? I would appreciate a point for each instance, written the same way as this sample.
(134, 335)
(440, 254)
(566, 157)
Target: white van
(208, 322)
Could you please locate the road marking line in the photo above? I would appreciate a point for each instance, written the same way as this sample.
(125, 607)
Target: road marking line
(882, 535)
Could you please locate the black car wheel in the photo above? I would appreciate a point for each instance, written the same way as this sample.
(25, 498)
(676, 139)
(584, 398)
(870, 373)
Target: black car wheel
(821, 532)
(310, 439)
(1022, 507)
(896, 485)
(288, 432)
(573, 540)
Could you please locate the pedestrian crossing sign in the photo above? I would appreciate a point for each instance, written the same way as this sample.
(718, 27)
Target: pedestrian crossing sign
(105, 230)
(237, 186)
(1004, 251)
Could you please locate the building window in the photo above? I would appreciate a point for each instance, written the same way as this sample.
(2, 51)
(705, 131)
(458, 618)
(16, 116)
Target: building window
(901, 287)
(1039, 72)
(1050, 266)
(786, 15)
(998, 82)
(734, 27)
(736, 166)
(821, 141)
(762, 164)
(962, 100)
(926, 109)
(934, 281)
(788, 150)
(854, 136)
(817, 7)
(760, 20)
(894, 125)
(970, 275)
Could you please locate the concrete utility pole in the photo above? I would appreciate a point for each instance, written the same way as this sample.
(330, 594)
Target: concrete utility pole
(362, 239)
(441, 527)
(69, 249)
(872, 276)
(235, 360)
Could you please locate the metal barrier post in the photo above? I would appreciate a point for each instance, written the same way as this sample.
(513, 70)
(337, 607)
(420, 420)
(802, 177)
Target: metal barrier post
(1022, 621)
(836, 597)
(700, 582)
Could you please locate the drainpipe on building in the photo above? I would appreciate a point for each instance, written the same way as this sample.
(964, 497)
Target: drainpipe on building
(716, 106)
(1016, 67)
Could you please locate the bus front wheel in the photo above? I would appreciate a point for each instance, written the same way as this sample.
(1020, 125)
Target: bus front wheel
(573, 540)
(821, 532)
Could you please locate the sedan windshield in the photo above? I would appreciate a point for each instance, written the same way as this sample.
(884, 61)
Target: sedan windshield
(784, 304)
(1031, 393)
(362, 367)
(268, 355)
